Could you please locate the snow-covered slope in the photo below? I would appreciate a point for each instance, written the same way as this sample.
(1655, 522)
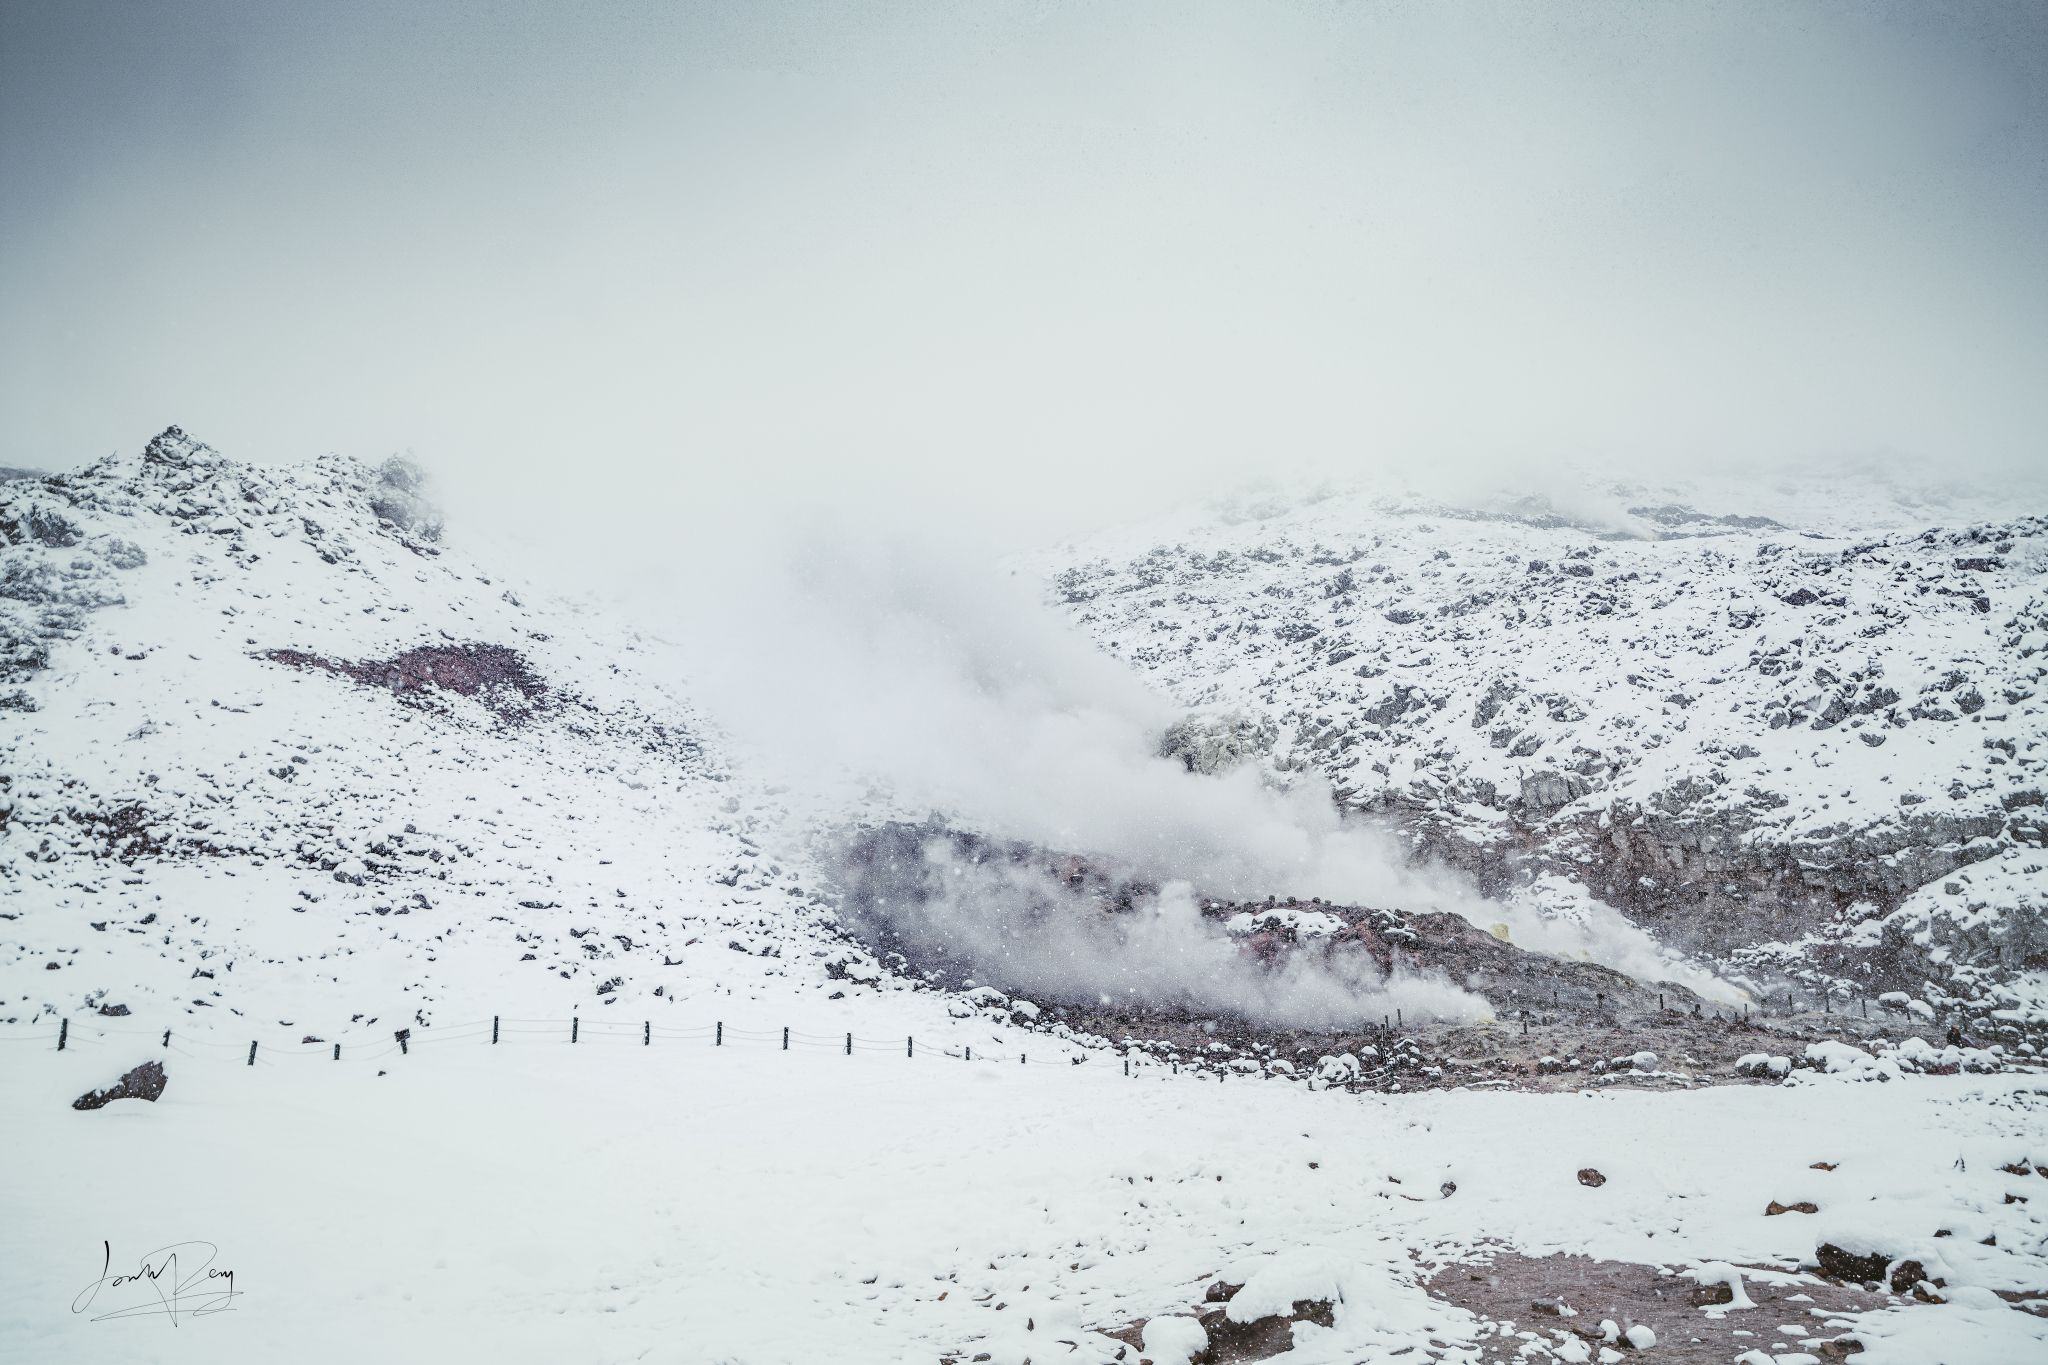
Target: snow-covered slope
(268, 751)
(684, 1203)
(1766, 719)
(283, 767)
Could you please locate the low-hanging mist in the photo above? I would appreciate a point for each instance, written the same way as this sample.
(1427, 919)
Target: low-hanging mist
(907, 679)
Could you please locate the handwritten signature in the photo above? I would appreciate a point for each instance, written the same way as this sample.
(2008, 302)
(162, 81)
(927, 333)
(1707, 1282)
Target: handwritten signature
(173, 1280)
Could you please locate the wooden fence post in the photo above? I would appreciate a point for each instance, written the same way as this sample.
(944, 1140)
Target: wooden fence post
(63, 1034)
(719, 1041)
(575, 1023)
(252, 1052)
(849, 1044)
(785, 1039)
(337, 1052)
(647, 1033)
(494, 1030)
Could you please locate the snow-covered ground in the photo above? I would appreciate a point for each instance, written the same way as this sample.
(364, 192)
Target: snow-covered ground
(196, 814)
(616, 1201)
(284, 768)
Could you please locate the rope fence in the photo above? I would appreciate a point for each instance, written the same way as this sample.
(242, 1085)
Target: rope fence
(1133, 1059)
(576, 1030)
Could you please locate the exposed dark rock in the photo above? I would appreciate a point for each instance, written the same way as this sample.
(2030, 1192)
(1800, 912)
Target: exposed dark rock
(892, 874)
(1544, 791)
(1591, 1177)
(126, 832)
(1841, 1265)
(145, 1082)
(1931, 945)
(498, 675)
(1261, 1338)
(1233, 1342)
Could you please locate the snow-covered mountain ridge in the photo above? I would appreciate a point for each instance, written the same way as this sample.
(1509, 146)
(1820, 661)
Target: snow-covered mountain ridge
(280, 768)
(270, 748)
(1734, 729)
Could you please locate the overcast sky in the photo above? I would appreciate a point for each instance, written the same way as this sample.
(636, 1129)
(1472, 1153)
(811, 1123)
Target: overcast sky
(1041, 264)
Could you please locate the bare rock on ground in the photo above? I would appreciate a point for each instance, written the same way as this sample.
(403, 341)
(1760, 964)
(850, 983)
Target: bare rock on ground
(145, 1082)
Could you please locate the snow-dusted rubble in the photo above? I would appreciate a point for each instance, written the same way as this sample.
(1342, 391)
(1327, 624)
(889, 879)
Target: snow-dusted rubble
(1738, 728)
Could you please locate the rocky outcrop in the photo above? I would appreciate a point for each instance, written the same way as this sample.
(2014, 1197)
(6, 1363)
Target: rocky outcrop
(54, 572)
(1216, 743)
(302, 566)
(1702, 882)
(399, 498)
(1735, 730)
(145, 1082)
(1986, 922)
(63, 554)
(903, 888)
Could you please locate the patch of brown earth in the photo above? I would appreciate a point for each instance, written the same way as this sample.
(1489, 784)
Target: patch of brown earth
(492, 673)
(1513, 1294)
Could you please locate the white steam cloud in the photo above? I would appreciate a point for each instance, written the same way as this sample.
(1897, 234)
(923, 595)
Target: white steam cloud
(1159, 953)
(909, 676)
(656, 283)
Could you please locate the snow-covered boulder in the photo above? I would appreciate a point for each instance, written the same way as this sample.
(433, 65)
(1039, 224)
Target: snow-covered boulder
(1174, 1340)
(1216, 743)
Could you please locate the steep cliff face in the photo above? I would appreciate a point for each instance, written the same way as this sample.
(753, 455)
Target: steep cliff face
(1738, 729)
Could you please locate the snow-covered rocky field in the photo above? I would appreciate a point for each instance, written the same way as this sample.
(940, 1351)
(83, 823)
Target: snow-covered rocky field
(306, 801)
(1759, 725)
(614, 1201)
